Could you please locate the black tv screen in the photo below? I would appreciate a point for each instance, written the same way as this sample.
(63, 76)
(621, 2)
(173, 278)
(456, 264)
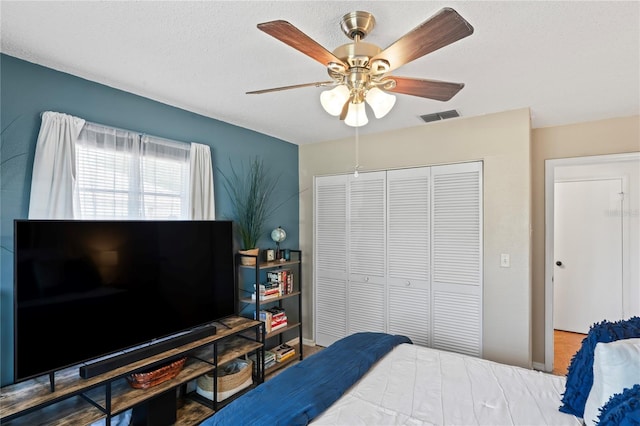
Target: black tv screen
(85, 289)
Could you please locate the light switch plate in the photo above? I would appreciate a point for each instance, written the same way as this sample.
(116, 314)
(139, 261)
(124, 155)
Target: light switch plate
(505, 261)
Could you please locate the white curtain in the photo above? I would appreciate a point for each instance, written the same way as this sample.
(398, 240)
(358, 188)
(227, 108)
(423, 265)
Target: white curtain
(53, 181)
(85, 170)
(201, 199)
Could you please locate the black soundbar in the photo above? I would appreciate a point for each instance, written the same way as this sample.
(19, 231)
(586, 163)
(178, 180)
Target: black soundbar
(102, 366)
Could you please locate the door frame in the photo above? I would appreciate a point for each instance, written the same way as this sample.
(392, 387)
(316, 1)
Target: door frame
(549, 189)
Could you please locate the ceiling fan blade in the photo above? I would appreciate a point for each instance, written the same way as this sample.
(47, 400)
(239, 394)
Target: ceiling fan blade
(443, 28)
(432, 89)
(288, 34)
(295, 86)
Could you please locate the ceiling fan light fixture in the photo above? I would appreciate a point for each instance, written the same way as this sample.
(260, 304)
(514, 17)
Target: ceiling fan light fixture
(359, 70)
(333, 100)
(356, 116)
(380, 102)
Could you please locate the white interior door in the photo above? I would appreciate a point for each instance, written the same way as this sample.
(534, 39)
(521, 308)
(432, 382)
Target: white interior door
(587, 278)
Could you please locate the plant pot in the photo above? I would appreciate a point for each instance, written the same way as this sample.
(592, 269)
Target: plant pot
(249, 260)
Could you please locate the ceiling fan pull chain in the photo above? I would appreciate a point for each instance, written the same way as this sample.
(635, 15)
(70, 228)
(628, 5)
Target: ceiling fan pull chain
(355, 171)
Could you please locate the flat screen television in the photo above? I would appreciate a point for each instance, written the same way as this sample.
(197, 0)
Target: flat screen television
(87, 289)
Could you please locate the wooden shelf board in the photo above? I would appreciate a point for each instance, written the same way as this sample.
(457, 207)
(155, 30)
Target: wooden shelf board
(282, 330)
(275, 299)
(71, 411)
(236, 347)
(273, 264)
(123, 396)
(191, 412)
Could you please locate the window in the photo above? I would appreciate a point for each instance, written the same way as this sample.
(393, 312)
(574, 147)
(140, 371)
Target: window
(123, 175)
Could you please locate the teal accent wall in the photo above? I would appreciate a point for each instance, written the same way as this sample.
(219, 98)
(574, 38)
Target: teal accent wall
(26, 90)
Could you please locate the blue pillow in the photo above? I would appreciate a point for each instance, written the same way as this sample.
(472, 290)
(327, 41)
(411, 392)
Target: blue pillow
(580, 371)
(622, 409)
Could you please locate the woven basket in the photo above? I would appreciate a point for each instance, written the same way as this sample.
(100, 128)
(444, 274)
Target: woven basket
(155, 377)
(232, 375)
(249, 260)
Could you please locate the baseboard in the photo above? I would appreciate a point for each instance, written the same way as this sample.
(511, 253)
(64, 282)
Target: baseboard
(539, 366)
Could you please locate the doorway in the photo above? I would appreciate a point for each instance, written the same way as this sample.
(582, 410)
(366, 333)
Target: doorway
(591, 222)
(587, 247)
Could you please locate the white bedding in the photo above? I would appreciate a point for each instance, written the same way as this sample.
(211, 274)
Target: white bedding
(414, 385)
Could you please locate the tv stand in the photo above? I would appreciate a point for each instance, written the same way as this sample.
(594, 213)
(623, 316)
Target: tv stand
(71, 399)
(223, 323)
(99, 367)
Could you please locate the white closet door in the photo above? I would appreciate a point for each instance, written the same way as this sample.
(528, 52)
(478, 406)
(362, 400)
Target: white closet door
(457, 258)
(330, 259)
(408, 253)
(367, 247)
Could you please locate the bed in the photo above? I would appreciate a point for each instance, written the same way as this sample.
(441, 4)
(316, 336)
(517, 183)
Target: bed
(414, 385)
(382, 379)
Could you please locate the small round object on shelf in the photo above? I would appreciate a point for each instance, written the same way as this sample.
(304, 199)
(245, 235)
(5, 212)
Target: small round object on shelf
(278, 235)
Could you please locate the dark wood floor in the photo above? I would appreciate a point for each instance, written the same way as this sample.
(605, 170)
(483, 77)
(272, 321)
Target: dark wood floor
(310, 350)
(565, 345)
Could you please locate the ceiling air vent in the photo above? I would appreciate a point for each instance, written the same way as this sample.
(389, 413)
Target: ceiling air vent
(440, 115)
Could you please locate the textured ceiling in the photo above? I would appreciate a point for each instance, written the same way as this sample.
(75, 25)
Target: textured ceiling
(569, 62)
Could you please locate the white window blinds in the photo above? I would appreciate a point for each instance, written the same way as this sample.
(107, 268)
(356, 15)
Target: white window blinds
(121, 174)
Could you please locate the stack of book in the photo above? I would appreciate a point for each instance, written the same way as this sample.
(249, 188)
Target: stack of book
(283, 278)
(268, 290)
(278, 318)
(269, 359)
(284, 352)
(274, 319)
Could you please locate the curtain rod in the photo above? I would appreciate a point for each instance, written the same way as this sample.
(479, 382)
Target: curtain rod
(124, 130)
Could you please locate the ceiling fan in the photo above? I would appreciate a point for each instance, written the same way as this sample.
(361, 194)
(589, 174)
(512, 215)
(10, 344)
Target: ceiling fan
(360, 71)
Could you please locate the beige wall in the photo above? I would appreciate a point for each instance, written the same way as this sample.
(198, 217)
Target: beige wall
(613, 136)
(502, 142)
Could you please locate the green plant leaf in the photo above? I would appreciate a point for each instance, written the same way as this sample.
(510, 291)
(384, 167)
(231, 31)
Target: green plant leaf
(251, 192)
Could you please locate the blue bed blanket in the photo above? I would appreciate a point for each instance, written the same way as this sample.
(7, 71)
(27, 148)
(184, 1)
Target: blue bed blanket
(304, 390)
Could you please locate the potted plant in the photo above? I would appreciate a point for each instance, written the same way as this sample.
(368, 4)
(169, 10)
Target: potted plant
(251, 193)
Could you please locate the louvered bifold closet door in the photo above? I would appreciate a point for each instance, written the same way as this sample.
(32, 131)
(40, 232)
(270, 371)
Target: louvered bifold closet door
(408, 253)
(367, 247)
(330, 259)
(457, 258)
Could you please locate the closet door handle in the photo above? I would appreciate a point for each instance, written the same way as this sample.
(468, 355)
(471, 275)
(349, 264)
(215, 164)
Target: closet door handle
(558, 263)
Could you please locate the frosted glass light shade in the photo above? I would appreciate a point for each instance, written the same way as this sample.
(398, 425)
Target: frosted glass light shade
(380, 102)
(356, 116)
(333, 100)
